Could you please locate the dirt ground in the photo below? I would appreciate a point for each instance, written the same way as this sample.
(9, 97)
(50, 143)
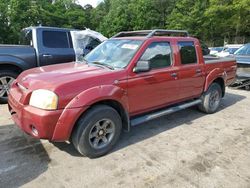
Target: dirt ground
(185, 149)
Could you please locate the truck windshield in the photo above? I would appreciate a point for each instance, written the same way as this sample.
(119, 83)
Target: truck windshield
(244, 50)
(116, 53)
(26, 37)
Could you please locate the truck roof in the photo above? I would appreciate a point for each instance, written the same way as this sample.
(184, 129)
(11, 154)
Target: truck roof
(152, 33)
(161, 37)
(47, 27)
(156, 33)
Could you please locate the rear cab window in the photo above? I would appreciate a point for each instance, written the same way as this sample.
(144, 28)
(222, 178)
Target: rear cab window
(187, 52)
(55, 39)
(159, 54)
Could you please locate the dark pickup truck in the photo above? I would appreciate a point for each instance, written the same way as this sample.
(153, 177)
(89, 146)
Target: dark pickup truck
(39, 46)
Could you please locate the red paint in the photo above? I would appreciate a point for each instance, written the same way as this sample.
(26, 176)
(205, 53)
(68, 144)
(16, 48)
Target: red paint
(79, 86)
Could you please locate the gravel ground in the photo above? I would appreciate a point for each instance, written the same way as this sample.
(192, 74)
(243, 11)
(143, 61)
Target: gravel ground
(185, 149)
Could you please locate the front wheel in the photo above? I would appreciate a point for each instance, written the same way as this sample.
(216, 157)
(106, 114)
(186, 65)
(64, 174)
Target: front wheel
(211, 99)
(97, 131)
(6, 79)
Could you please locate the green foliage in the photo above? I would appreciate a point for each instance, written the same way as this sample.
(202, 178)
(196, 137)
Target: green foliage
(214, 21)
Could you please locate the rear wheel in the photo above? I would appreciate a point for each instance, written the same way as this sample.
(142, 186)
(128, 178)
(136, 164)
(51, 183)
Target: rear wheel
(211, 99)
(6, 79)
(97, 131)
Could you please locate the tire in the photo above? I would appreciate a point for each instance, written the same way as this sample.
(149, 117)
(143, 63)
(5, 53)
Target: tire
(98, 122)
(211, 99)
(6, 78)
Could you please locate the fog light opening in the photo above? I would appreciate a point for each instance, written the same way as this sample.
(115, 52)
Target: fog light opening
(34, 130)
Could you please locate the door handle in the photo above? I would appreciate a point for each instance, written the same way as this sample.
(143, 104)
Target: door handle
(47, 55)
(198, 71)
(174, 74)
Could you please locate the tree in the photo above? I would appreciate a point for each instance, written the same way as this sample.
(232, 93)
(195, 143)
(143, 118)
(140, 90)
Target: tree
(214, 21)
(118, 18)
(4, 23)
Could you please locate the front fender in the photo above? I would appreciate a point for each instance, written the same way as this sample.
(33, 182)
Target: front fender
(213, 75)
(81, 103)
(11, 60)
(99, 93)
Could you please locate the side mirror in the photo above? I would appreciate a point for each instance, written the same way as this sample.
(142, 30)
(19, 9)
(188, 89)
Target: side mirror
(142, 66)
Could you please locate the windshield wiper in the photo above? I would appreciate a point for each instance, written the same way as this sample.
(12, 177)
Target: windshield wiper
(104, 64)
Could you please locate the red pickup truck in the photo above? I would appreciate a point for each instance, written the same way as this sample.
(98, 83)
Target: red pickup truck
(129, 79)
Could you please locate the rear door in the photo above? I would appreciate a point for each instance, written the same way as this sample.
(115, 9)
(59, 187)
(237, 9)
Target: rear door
(55, 46)
(157, 87)
(191, 72)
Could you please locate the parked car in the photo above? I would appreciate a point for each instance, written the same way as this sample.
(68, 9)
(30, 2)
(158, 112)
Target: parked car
(215, 50)
(229, 50)
(243, 61)
(127, 80)
(40, 46)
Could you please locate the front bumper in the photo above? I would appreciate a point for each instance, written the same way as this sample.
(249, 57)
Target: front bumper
(29, 118)
(53, 125)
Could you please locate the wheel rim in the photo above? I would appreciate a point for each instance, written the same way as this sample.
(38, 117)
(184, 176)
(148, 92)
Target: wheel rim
(214, 100)
(102, 133)
(5, 83)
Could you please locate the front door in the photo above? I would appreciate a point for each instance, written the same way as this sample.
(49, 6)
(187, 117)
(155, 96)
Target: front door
(157, 87)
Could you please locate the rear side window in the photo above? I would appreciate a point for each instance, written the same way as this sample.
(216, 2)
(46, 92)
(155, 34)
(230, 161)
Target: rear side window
(187, 52)
(55, 39)
(158, 54)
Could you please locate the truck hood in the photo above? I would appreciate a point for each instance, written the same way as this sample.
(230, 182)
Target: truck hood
(53, 76)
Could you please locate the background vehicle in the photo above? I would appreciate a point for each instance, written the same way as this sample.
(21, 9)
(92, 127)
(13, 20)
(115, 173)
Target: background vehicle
(242, 56)
(129, 79)
(215, 50)
(228, 50)
(40, 46)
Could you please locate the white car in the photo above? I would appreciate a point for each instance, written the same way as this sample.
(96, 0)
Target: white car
(229, 49)
(215, 50)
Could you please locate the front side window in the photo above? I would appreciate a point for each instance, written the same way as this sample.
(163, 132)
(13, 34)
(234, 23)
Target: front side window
(187, 52)
(158, 54)
(55, 39)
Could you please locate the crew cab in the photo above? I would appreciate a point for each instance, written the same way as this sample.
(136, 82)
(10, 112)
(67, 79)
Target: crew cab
(127, 80)
(41, 46)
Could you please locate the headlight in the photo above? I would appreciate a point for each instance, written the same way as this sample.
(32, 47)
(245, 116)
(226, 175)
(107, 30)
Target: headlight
(44, 99)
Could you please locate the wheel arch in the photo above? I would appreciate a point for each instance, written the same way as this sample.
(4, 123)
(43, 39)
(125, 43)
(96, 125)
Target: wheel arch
(112, 96)
(221, 82)
(114, 104)
(12, 61)
(216, 76)
(10, 66)
(119, 108)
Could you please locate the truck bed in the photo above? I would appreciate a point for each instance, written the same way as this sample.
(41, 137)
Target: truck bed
(224, 65)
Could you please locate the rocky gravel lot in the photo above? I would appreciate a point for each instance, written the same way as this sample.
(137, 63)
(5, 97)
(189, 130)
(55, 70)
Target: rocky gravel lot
(185, 149)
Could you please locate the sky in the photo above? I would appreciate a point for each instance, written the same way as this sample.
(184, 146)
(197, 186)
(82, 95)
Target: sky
(94, 3)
